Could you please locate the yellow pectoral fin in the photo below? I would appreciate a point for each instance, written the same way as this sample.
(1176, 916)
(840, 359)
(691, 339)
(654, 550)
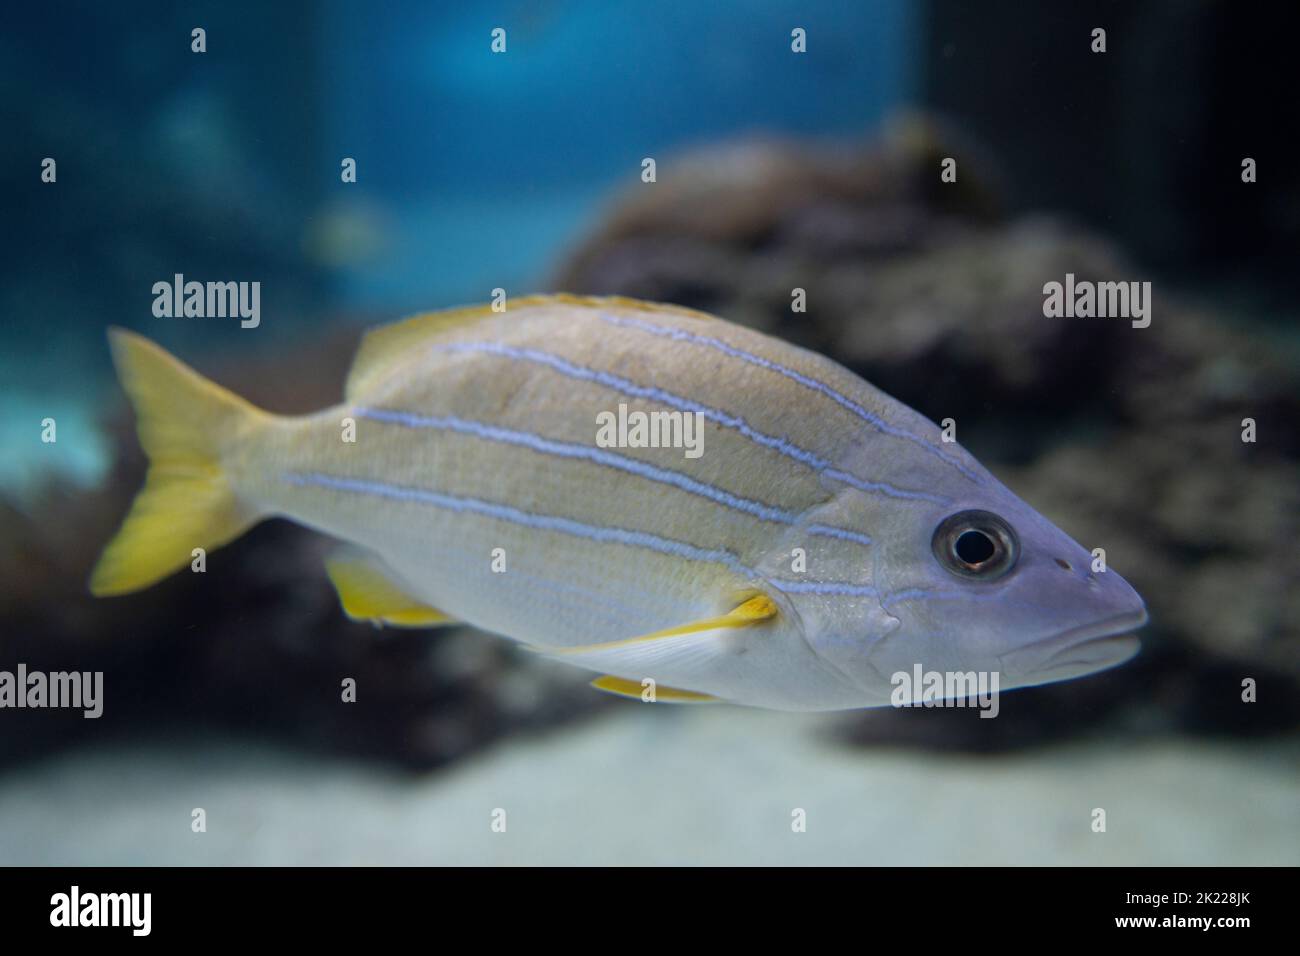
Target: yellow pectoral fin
(756, 609)
(368, 594)
(680, 653)
(635, 689)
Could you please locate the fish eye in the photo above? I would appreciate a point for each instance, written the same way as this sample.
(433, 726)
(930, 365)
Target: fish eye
(976, 544)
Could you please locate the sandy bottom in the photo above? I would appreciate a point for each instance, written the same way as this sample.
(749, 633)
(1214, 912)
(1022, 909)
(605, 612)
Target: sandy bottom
(660, 786)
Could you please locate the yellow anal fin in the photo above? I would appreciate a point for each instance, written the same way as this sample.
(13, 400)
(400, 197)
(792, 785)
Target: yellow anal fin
(635, 689)
(756, 609)
(368, 594)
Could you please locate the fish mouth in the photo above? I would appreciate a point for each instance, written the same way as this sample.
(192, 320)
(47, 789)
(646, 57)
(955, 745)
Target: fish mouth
(1078, 651)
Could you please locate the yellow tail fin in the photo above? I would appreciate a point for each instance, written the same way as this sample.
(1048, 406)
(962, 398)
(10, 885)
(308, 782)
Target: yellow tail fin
(185, 423)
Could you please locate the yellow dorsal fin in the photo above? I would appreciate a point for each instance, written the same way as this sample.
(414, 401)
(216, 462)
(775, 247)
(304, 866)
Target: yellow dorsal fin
(368, 594)
(666, 695)
(756, 609)
(384, 346)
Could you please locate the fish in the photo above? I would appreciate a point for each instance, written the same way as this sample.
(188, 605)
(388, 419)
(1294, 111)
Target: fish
(825, 540)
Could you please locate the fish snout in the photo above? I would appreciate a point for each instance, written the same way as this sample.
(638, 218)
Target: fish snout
(1077, 651)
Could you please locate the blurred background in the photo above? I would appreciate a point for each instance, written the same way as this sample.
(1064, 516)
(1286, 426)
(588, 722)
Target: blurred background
(775, 170)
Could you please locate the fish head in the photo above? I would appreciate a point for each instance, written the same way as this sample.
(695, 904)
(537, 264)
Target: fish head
(982, 583)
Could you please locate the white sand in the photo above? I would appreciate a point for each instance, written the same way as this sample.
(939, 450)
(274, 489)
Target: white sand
(660, 785)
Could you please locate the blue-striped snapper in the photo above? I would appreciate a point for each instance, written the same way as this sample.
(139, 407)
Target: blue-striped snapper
(825, 540)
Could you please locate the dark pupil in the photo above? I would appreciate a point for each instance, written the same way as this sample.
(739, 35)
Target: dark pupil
(974, 547)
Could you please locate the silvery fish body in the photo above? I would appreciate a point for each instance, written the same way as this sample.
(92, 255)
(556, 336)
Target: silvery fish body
(465, 468)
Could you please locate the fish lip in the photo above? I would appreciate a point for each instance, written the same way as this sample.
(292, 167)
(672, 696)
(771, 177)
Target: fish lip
(1091, 647)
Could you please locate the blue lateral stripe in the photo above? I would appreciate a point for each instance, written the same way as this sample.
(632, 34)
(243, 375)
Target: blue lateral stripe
(828, 531)
(889, 491)
(875, 421)
(628, 387)
(579, 529)
(619, 384)
(459, 505)
(926, 595)
(547, 446)
(824, 588)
